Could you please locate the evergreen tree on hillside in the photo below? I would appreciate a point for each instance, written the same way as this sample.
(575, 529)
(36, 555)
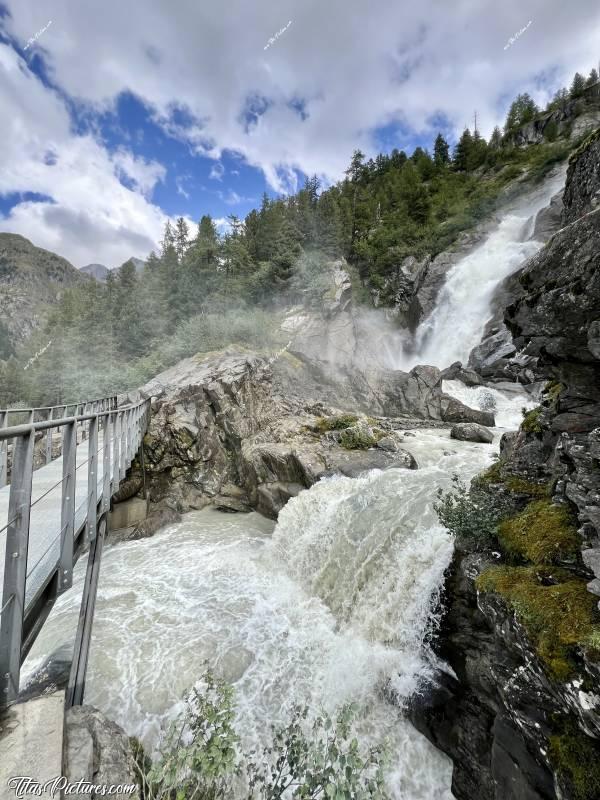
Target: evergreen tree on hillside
(560, 101)
(577, 86)
(496, 139)
(462, 151)
(329, 225)
(168, 239)
(592, 78)
(182, 239)
(356, 171)
(414, 194)
(441, 151)
(521, 111)
(477, 152)
(397, 158)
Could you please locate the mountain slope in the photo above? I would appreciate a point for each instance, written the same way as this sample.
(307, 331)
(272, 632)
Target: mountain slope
(97, 271)
(31, 280)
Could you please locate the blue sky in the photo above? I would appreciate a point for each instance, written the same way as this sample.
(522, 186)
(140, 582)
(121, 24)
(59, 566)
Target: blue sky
(118, 115)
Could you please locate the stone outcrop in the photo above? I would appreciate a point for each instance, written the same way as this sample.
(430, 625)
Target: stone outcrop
(98, 751)
(519, 719)
(471, 432)
(576, 118)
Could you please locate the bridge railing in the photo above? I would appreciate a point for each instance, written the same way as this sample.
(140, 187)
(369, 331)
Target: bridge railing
(17, 416)
(65, 528)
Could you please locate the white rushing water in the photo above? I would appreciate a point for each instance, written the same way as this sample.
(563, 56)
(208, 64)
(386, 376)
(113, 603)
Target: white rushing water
(463, 307)
(331, 608)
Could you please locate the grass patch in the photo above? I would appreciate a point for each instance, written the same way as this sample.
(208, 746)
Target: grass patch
(357, 439)
(542, 533)
(556, 609)
(324, 424)
(531, 421)
(576, 758)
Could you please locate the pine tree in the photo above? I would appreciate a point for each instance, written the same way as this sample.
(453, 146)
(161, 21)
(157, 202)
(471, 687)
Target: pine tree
(182, 239)
(441, 151)
(356, 170)
(560, 101)
(577, 86)
(329, 225)
(168, 239)
(521, 111)
(462, 151)
(478, 151)
(495, 142)
(592, 78)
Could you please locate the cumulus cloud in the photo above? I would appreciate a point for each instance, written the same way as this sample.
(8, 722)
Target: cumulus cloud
(90, 215)
(340, 74)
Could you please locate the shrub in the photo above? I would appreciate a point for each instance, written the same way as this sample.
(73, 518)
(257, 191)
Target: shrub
(357, 439)
(198, 759)
(531, 421)
(339, 423)
(472, 514)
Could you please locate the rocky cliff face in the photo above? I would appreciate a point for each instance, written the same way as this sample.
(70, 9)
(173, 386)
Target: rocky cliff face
(520, 712)
(225, 432)
(31, 280)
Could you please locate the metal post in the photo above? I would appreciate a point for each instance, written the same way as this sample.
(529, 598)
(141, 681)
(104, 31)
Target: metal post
(92, 480)
(123, 470)
(15, 568)
(116, 451)
(3, 451)
(67, 511)
(106, 465)
(49, 439)
(76, 685)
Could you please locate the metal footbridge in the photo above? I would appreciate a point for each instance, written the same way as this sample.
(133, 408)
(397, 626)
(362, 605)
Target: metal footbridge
(51, 514)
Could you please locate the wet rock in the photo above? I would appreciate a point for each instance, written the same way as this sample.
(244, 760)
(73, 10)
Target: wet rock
(456, 372)
(549, 219)
(471, 432)
(98, 751)
(582, 190)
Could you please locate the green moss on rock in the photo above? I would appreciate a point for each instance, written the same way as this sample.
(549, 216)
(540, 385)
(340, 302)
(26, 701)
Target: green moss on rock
(542, 533)
(555, 608)
(576, 758)
(531, 421)
(338, 423)
(357, 439)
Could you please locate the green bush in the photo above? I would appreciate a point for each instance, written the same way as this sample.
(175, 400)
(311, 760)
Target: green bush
(471, 514)
(199, 759)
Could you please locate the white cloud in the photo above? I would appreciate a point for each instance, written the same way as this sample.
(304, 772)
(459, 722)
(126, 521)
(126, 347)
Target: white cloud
(91, 216)
(143, 174)
(355, 68)
(217, 171)
(340, 71)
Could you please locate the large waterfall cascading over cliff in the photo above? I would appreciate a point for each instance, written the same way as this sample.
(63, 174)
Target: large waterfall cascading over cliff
(463, 307)
(334, 608)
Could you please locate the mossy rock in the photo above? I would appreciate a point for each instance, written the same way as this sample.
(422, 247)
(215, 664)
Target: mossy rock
(358, 439)
(558, 613)
(531, 421)
(576, 758)
(543, 533)
(493, 475)
(338, 423)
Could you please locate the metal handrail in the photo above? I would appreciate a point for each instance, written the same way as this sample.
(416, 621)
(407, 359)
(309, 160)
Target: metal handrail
(24, 612)
(111, 398)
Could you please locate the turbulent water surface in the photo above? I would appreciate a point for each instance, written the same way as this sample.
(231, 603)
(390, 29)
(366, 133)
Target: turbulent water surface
(331, 606)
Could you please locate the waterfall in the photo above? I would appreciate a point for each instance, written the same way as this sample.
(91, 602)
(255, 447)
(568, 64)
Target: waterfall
(456, 324)
(333, 607)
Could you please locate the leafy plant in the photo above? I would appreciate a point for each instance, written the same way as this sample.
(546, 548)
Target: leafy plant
(471, 513)
(199, 759)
